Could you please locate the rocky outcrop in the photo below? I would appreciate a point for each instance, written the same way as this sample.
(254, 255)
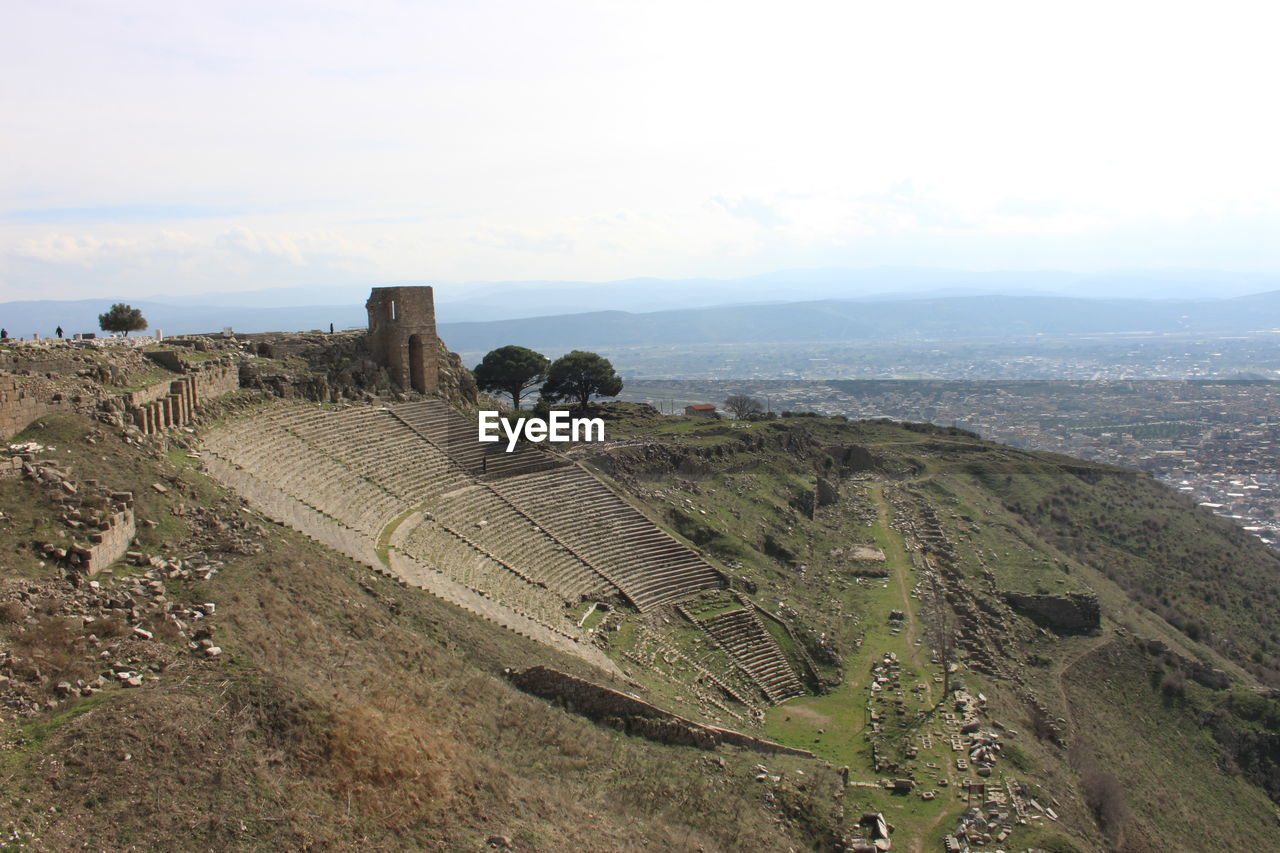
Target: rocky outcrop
(331, 368)
(1074, 613)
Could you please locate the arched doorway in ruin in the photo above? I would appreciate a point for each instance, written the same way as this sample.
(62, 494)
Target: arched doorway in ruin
(417, 364)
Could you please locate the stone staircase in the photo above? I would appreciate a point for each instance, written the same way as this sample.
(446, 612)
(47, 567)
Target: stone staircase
(745, 638)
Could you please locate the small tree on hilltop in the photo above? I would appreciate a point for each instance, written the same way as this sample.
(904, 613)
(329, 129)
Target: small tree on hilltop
(580, 376)
(743, 406)
(511, 370)
(122, 318)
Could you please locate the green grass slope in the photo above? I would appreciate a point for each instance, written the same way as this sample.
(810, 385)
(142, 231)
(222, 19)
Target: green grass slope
(1186, 600)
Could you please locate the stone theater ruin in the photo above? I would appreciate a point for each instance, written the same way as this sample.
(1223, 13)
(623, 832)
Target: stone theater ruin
(531, 540)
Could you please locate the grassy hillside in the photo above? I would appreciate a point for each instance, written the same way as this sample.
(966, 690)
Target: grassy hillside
(1008, 522)
(1203, 574)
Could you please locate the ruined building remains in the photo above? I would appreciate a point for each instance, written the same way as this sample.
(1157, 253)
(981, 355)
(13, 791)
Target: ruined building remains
(402, 335)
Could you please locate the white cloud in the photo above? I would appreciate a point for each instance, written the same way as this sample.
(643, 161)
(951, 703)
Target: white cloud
(457, 140)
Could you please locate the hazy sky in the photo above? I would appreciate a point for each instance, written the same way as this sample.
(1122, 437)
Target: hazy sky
(151, 147)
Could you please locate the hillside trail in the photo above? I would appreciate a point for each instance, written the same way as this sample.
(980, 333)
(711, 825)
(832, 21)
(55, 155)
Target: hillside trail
(1060, 673)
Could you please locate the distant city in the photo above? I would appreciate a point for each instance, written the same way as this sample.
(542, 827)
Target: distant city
(1132, 355)
(1214, 440)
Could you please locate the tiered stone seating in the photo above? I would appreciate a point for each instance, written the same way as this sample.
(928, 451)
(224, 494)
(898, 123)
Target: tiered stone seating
(485, 518)
(476, 521)
(640, 559)
(266, 449)
(470, 566)
(342, 477)
(446, 429)
(381, 448)
(715, 670)
(740, 633)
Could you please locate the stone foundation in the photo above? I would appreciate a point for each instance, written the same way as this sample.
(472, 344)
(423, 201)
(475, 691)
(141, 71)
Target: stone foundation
(109, 545)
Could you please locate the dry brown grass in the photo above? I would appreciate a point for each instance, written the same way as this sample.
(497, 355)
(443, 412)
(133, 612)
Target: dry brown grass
(55, 648)
(391, 765)
(110, 627)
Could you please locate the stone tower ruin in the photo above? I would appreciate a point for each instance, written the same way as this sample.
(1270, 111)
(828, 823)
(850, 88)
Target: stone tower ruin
(402, 335)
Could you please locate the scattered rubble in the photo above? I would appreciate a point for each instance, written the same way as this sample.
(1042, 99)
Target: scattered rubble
(104, 625)
(126, 629)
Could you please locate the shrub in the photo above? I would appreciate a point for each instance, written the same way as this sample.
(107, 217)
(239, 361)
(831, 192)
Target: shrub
(13, 612)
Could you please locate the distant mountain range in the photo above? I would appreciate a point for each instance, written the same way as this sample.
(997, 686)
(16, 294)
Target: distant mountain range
(507, 300)
(964, 317)
(797, 305)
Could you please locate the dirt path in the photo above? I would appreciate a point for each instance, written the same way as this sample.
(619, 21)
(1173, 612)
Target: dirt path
(1060, 674)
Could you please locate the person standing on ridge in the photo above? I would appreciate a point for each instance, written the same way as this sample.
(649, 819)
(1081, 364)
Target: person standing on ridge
(59, 330)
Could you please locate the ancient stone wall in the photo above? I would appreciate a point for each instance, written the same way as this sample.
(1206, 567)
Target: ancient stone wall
(827, 492)
(635, 716)
(99, 521)
(216, 379)
(1075, 612)
(167, 359)
(21, 402)
(168, 403)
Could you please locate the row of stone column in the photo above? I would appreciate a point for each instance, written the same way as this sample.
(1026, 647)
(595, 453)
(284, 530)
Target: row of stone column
(175, 409)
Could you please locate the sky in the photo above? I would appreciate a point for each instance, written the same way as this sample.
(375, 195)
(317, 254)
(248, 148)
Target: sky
(152, 148)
